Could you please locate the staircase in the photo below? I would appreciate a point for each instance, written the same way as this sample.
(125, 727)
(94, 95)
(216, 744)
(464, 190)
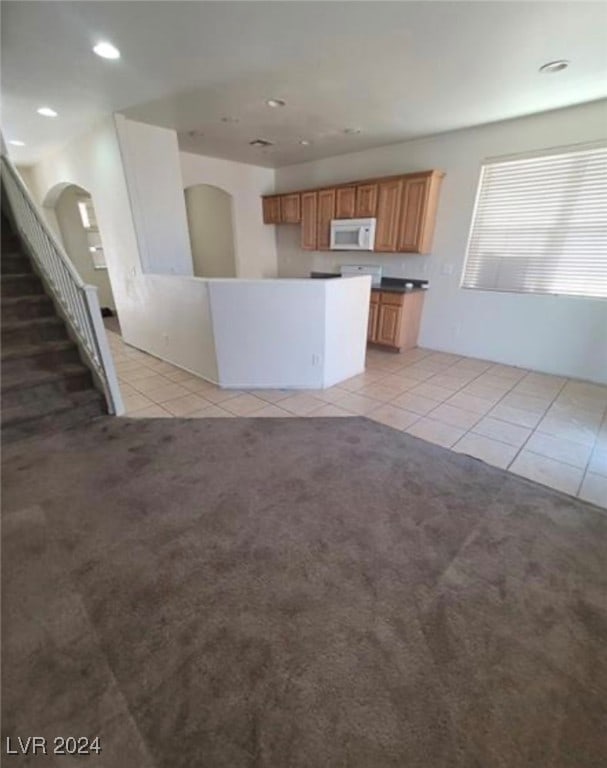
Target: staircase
(45, 386)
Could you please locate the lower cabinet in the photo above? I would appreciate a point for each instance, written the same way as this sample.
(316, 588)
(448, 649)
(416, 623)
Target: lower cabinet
(394, 319)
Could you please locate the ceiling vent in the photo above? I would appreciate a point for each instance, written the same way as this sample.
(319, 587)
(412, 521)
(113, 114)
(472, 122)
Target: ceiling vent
(261, 143)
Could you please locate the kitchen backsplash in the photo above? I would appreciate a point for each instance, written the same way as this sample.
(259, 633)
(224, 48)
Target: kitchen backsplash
(294, 262)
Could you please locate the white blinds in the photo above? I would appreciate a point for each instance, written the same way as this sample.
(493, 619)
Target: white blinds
(540, 226)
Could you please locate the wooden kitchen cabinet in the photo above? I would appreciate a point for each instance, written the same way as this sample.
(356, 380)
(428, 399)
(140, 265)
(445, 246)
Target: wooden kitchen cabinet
(373, 315)
(345, 202)
(271, 209)
(309, 213)
(290, 209)
(366, 201)
(326, 212)
(394, 319)
(418, 212)
(405, 208)
(388, 214)
(388, 325)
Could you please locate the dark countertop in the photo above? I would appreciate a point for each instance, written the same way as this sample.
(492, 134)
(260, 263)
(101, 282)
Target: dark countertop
(389, 284)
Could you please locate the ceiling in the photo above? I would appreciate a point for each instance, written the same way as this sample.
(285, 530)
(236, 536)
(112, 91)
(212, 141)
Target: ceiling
(393, 70)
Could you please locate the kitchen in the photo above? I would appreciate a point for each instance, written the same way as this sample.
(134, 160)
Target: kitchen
(394, 214)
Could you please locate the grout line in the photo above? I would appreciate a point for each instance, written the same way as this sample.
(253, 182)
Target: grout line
(533, 431)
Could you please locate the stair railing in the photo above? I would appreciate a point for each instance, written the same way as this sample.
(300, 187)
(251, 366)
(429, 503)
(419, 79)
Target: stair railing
(77, 300)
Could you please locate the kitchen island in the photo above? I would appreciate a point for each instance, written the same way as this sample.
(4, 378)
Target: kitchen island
(255, 334)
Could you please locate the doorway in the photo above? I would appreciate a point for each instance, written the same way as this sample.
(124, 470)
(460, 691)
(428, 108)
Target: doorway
(75, 221)
(210, 222)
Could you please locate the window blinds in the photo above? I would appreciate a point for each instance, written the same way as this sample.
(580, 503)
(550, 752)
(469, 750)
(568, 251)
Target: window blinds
(540, 226)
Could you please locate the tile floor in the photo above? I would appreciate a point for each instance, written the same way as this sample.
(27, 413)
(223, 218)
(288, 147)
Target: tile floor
(547, 428)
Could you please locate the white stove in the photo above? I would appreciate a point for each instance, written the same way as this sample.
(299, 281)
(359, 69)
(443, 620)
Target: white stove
(350, 270)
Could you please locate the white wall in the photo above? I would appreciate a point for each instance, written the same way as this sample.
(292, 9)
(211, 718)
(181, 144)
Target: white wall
(166, 316)
(286, 333)
(346, 323)
(176, 324)
(254, 241)
(211, 227)
(151, 163)
(556, 334)
(93, 162)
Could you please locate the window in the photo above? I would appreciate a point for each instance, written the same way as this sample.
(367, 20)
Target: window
(540, 225)
(97, 256)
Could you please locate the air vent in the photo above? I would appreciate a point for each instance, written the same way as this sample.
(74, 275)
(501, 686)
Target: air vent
(261, 143)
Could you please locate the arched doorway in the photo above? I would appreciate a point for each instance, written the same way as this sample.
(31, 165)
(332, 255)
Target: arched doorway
(211, 227)
(71, 213)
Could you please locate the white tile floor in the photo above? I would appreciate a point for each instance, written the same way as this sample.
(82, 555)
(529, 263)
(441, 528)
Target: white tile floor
(550, 429)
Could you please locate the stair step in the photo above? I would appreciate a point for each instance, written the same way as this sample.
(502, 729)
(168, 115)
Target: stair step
(26, 307)
(54, 422)
(45, 407)
(32, 330)
(20, 284)
(15, 264)
(36, 350)
(22, 388)
(42, 356)
(36, 377)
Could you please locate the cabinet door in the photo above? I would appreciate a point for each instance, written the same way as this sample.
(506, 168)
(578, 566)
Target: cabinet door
(345, 203)
(388, 325)
(388, 214)
(373, 315)
(412, 215)
(308, 221)
(290, 209)
(271, 210)
(326, 212)
(366, 201)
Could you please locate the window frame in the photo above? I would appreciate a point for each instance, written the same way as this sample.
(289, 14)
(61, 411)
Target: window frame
(512, 158)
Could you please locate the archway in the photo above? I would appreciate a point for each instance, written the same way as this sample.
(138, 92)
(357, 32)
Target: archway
(71, 213)
(210, 222)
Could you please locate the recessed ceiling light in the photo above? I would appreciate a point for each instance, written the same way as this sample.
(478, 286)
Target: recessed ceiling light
(304, 143)
(17, 143)
(351, 130)
(106, 51)
(554, 66)
(275, 103)
(47, 112)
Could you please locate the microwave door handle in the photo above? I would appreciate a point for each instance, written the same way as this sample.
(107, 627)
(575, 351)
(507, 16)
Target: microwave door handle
(361, 233)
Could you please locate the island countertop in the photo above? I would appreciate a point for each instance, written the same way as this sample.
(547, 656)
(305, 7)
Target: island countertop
(389, 284)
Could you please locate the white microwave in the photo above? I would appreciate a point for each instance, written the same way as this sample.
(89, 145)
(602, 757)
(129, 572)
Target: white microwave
(352, 234)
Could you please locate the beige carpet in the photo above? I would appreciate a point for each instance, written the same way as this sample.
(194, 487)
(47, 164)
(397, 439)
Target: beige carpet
(310, 593)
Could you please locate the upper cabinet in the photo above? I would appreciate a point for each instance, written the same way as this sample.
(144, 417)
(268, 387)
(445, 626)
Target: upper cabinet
(309, 206)
(345, 202)
(326, 212)
(418, 212)
(271, 209)
(388, 213)
(290, 209)
(405, 208)
(366, 201)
